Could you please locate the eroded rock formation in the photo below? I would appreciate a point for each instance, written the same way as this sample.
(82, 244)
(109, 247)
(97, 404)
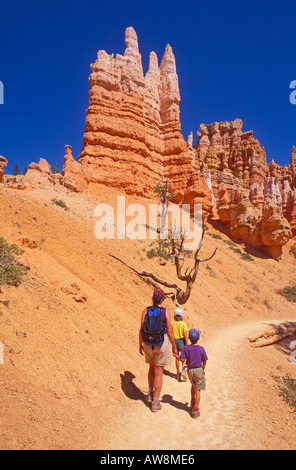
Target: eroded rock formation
(132, 136)
(3, 164)
(132, 141)
(224, 147)
(256, 200)
(39, 175)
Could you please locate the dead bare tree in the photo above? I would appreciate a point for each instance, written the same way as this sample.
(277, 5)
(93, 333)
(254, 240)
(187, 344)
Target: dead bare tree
(189, 276)
(173, 248)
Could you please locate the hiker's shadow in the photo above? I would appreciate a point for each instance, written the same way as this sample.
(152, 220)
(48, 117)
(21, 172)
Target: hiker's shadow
(132, 392)
(169, 373)
(176, 404)
(130, 389)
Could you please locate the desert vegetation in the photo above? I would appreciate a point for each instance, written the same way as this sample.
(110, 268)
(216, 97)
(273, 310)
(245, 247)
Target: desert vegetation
(12, 271)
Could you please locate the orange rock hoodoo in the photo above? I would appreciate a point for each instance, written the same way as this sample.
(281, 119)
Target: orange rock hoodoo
(133, 140)
(132, 136)
(3, 164)
(256, 200)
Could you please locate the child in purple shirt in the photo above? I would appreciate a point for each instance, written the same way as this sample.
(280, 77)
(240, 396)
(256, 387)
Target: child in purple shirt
(195, 357)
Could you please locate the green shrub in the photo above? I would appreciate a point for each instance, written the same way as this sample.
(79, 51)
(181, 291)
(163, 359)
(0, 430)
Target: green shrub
(11, 271)
(247, 257)
(289, 292)
(215, 236)
(162, 249)
(287, 386)
(60, 203)
(230, 243)
(237, 250)
(244, 256)
(292, 250)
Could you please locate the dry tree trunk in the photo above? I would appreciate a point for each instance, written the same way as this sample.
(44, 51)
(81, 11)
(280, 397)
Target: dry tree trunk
(180, 295)
(190, 275)
(269, 337)
(264, 334)
(271, 340)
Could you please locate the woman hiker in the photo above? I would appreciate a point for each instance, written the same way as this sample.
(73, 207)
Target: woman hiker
(155, 336)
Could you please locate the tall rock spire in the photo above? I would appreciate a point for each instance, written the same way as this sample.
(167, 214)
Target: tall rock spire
(132, 54)
(153, 61)
(132, 135)
(169, 90)
(151, 102)
(168, 63)
(131, 42)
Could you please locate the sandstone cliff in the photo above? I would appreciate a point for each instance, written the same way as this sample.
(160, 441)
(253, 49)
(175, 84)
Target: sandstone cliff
(132, 136)
(132, 141)
(256, 200)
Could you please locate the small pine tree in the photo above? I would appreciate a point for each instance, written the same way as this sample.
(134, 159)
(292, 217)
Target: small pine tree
(16, 170)
(55, 168)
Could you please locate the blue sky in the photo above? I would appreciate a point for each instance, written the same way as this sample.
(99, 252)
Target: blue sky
(234, 59)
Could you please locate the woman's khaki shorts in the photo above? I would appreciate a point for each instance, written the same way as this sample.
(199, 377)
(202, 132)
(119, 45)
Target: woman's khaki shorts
(197, 378)
(160, 355)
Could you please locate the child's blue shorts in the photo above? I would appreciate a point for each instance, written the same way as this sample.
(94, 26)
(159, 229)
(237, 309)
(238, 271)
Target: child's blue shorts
(180, 343)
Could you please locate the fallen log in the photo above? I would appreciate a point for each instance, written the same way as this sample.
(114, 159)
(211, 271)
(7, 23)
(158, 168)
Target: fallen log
(264, 334)
(270, 333)
(271, 340)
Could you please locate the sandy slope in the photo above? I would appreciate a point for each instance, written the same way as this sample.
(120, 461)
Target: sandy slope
(72, 376)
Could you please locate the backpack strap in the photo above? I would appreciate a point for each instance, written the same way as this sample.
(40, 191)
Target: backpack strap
(162, 313)
(163, 318)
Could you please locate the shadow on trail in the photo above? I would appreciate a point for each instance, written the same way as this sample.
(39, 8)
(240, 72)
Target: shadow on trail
(284, 345)
(130, 389)
(176, 404)
(169, 373)
(132, 392)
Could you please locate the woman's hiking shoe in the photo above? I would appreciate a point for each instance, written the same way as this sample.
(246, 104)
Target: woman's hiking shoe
(179, 376)
(156, 406)
(149, 397)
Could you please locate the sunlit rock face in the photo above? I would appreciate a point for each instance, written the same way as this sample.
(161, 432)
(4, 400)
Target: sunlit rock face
(256, 200)
(132, 138)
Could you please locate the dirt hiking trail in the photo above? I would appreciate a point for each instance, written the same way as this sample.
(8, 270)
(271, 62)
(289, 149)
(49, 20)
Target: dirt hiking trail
(226, 421)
